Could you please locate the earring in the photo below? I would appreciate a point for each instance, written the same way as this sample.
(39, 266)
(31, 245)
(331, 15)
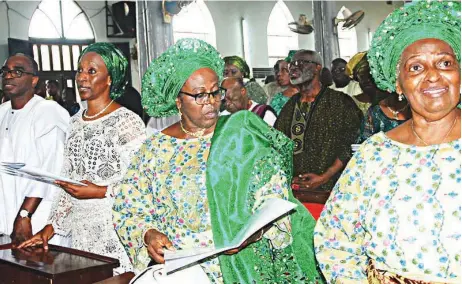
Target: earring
(400, 97)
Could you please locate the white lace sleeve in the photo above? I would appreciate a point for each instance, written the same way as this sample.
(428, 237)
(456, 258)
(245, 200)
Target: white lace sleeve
(131, 134)
(60, 209)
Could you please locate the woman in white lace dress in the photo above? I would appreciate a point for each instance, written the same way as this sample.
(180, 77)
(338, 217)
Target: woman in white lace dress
(101, 142)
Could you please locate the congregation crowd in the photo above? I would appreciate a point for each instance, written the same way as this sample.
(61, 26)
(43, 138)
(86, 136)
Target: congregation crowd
(393, 215)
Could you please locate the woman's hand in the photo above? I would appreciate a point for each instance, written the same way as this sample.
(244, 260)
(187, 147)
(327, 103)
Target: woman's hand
(41, 238)
(83, 192)
(156, 242)
(252, 239)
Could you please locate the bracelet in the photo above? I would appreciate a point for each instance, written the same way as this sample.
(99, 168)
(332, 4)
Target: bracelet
(144, 235)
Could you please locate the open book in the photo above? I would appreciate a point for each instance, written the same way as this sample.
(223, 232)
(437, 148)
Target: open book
(22, 170)
(271, 209)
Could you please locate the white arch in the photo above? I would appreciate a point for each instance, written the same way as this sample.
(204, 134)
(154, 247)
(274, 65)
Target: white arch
(280, 39)
(347, 39)
(194, 21)
(52, 20)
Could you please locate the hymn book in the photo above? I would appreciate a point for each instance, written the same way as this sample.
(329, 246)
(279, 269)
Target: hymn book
(271, 210)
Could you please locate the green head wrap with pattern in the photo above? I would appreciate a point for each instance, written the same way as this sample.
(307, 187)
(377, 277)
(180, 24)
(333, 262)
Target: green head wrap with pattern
(239, 63)
(167, 74)
(406, 25)
(116, 65)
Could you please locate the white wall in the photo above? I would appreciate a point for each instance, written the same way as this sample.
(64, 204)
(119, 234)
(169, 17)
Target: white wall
(19, 26)
(226, 15)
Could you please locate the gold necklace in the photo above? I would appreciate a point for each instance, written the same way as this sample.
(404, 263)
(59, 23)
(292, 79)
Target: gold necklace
(197, 134)
(425, 143)
(394, 112)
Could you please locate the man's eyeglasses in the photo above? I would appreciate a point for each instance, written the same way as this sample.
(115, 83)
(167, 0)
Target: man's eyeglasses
(299, 63)
(14, 73)
(204, 98)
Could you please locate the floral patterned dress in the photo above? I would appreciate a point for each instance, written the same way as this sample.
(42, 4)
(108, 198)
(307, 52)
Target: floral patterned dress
(397, 206)
(165, 189)
(98, 151)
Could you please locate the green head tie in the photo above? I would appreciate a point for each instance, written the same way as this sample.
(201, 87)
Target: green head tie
(406, 25)
(167, 74)
(116, 64)
(239, 63)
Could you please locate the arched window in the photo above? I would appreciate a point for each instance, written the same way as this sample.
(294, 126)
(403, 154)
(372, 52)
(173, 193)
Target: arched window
(194, 21)
(60, 19)
(280, 38)
(347, 39)
(58, 32)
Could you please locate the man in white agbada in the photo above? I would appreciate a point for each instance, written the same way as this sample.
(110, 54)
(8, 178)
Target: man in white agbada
(32, 131)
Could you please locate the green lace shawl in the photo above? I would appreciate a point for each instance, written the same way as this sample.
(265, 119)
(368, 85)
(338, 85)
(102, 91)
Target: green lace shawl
(244, 155)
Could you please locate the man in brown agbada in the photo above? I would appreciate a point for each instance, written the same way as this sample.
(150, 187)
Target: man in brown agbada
(323, 124)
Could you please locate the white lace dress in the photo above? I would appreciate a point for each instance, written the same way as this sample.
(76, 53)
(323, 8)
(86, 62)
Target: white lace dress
(98, 151)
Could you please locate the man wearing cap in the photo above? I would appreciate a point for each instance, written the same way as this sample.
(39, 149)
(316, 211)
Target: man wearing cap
(342, 75)
(32, 131)
(323, 123)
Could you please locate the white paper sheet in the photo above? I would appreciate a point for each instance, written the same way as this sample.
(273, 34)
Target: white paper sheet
(271, 210)
(22, 170)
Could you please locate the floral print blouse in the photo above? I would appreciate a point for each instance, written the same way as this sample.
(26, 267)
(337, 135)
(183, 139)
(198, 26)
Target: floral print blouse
(165, 189)
(397, 205)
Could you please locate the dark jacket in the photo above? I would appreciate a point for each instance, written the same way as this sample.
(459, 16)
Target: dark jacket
(331, 129)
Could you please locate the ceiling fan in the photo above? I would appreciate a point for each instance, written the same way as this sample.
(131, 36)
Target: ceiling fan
(302, 26)
(171, 8)
(351, 20)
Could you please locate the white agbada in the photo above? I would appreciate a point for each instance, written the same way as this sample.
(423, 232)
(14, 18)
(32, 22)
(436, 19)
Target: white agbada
(34, 135)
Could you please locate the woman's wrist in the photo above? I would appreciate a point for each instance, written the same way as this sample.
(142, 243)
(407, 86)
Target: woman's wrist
(49, 230)
(103, 192)
(145, 243)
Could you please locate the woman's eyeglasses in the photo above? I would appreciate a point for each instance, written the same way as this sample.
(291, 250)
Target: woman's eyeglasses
(14, 73)
(300, 62)
(204, 98)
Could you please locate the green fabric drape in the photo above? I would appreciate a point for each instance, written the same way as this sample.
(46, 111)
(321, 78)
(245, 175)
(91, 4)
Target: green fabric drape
(244, 155)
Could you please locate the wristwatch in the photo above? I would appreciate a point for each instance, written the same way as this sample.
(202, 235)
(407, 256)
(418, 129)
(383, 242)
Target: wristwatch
(24, 213)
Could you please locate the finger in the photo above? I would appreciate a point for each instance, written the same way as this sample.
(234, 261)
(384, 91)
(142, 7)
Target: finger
(305, 176)
(167, 243)
(30, 243)
(159, 249)
(25, 244)
(45, 243)
(154, 255)
(231, 252)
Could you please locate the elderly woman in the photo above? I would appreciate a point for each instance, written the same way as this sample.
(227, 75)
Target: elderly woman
(237, 67)
(196, 183)
(99, 148)
(394, 215)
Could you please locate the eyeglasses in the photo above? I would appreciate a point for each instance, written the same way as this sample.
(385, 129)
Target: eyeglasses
(204, 98)
(14, 73)
(300, 62)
